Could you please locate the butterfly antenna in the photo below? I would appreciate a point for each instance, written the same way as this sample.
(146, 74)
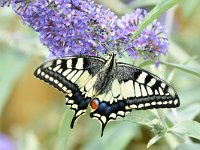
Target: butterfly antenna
(105, 47)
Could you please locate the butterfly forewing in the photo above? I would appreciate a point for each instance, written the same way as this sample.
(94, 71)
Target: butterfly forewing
(69, 75)
(148, 90)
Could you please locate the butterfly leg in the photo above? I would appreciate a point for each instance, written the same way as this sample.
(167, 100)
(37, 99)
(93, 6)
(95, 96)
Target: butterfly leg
(78, 103)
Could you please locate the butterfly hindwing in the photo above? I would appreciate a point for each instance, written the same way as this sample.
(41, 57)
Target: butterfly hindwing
(69, 75)
(78, 103)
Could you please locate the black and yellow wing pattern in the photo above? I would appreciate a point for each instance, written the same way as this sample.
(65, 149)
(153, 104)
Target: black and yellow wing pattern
(111, 88)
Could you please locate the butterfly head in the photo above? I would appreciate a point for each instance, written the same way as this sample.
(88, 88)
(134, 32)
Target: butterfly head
(110, 56)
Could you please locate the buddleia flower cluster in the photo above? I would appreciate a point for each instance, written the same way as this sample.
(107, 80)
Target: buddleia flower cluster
(73, 27)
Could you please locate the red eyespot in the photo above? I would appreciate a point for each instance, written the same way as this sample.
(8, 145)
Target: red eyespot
(94, 103)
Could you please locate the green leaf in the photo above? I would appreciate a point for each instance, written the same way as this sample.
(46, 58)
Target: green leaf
(188, 69)
(153, 140)
(189, 113)
(115, 138)
(144, 117)
(190, 96)
(188, 128)
(188, 147)
(64, 130)
(157, 11)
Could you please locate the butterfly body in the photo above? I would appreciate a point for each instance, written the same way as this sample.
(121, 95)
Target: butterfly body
(112, 89)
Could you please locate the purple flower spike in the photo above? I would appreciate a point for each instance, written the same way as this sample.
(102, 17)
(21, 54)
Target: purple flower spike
(71, 27)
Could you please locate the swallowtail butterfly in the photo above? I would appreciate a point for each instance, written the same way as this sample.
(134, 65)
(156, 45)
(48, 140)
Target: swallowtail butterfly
(112, 89)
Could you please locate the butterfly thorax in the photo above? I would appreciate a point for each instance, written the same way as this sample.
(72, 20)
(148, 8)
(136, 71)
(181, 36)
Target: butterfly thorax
(106, 75)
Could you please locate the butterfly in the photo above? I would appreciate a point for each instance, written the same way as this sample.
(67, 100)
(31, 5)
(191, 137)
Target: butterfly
(112, 89)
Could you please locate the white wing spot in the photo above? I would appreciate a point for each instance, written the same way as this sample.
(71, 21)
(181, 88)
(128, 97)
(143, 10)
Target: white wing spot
(64, 88)
(163, 85)
(150, 92)
(115, 88)
(75, 106)
(97, 115)
(159, 103)
(84, 78)
(127, 107)
(79, 112)
(152, 82)
(66, 72)
(165, 102)
(51, 79)
(60, 70)
(123, 90)
(77, 75)
(69, 63)
(144, 92)
(141, 78)
(156, 92)
(70, 101)
(161, 91)
(46, 76)
(120, 113)
(69, 76)
(60, 85)
(112, 115)
(56, 68)
(69, 91)
(58, 62)
(147, 104)
(103, 118)
(56, 81)
(130, 91)
(153, 103)
(42, 74)
(79, 64)
(69, 94)
(38, 71)
(137, 90)
(170, 102)
(176, 102)
(133, 106)
(140, 105)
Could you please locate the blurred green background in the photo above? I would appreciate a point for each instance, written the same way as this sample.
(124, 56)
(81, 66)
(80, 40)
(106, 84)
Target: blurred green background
(31, 111)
